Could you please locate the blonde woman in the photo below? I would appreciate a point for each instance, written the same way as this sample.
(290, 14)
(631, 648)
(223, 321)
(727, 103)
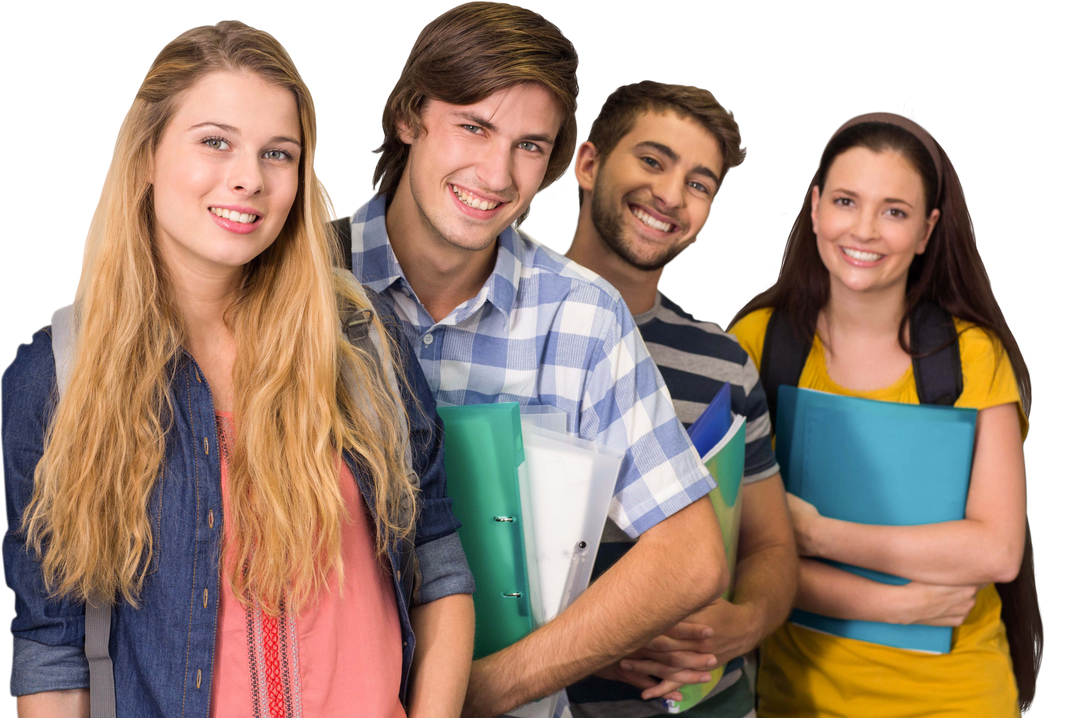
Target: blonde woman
(224, 467)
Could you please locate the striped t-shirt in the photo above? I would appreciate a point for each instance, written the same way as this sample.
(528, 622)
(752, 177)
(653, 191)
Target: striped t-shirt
(696, 359)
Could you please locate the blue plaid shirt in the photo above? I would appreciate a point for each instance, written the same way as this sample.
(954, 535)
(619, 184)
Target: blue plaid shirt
(544, 330)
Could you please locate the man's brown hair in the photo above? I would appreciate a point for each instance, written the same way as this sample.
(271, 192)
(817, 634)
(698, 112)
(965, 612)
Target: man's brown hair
(624, 106)
(465, 55)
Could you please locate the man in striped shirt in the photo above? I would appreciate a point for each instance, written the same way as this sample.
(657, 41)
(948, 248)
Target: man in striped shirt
(654, 161)
(481, 119)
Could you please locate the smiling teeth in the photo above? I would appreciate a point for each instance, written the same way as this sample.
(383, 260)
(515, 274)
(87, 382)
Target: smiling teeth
(234, 216)
(861, 256)
(649, 221)
(468, 198)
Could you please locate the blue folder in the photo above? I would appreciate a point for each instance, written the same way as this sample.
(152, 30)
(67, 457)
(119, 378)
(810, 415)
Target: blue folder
(875, 462)
(714, 422)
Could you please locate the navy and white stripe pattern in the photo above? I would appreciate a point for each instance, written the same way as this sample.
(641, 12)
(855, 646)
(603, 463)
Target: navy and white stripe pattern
(696, 358)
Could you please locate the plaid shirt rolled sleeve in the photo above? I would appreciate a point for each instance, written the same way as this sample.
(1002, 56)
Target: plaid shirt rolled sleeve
(544, 330)
(627, 406)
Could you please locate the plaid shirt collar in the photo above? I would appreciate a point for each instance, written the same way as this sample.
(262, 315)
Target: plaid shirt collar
(376, 265)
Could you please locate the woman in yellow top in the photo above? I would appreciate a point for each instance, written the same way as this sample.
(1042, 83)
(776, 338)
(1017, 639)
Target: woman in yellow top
(884, 227)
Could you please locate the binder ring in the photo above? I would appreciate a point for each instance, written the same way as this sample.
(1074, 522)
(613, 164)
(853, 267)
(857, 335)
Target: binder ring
(511, 595)
(504, 519)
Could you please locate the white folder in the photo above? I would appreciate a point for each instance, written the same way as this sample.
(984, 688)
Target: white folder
(572, 482)
(544, 416)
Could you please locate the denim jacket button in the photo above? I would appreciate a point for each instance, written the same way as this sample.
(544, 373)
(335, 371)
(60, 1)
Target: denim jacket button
(205, 596)
(210, 518)
(198, 679)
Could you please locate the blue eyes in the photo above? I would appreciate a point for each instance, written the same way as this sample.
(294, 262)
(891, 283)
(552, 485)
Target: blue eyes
(894, 212)
(221, 144)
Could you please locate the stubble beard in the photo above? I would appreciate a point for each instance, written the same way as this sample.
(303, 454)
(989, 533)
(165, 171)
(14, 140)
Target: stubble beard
(610, 224)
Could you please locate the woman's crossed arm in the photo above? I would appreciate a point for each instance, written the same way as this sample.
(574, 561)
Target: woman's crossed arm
(986, 546)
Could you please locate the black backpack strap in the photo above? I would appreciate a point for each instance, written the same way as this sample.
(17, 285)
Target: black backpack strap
(939, 379)
(341, 231)
(783, 356)
(935, 355)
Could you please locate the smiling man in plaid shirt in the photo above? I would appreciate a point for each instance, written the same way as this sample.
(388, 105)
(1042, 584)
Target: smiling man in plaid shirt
(481, 119)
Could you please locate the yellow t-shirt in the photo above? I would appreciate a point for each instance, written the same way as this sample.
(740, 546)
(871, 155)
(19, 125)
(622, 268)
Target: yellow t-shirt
(805, 673)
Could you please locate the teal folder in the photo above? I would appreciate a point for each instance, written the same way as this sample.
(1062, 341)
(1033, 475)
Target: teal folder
(486, 478)
(875, 462)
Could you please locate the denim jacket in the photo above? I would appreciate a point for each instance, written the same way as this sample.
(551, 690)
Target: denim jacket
(163, 650)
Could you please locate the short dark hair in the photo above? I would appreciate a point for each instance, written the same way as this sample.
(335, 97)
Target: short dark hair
(624, 106)
(469, 53)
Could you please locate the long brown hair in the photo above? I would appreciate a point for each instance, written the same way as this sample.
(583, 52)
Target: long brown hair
(952, 271)
(303, 393)
(467, 54)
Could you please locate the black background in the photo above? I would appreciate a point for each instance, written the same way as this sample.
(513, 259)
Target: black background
(784, 81)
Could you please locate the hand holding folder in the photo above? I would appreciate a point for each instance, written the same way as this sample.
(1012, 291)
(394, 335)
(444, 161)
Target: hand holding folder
(725, 461)
(875, 462)
(532, 502)
(720, 439)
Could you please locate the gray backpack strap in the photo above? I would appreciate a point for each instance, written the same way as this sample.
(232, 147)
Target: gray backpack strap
(102, 688)
(357, 324)
(63, 342)
(98, 619)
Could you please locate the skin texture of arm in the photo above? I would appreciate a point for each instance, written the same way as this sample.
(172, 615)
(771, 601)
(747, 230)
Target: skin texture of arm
(674, 569)
(765, 579)
(56, 704)
(984, 547)
(444, 646)
(830, 591)
(766, 572)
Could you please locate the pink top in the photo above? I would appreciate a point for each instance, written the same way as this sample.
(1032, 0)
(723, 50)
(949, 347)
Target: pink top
(339, 656)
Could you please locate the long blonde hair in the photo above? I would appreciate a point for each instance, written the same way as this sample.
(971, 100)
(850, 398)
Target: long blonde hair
(303, 394)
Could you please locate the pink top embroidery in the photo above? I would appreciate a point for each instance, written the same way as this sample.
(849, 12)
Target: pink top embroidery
(340, 656)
